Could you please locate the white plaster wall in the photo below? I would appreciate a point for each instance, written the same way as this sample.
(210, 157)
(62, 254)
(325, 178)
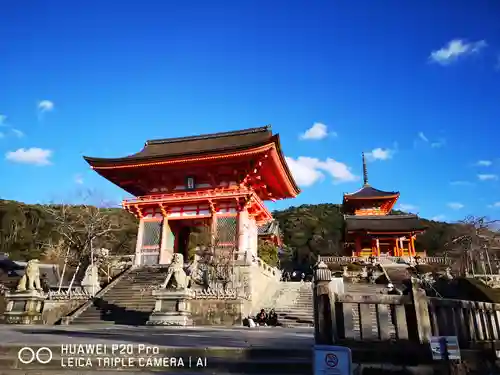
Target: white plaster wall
(253, 236)
(243, 231)
(263, 282)
(138, 244)
(167, 243)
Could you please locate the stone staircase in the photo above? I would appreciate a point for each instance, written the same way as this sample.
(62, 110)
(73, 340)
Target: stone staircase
(397, 273)
(300, 311)
(129, 302)
(294, 303)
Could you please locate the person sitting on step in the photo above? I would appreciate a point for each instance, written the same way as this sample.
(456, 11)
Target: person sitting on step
(262, 318)
(272, 319)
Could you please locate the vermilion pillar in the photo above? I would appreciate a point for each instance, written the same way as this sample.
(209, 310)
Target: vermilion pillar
(357, 246)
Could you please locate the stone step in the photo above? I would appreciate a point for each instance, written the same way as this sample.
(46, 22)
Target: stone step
(296, 316)
(293, 309)
(130, 301)
(297, 325)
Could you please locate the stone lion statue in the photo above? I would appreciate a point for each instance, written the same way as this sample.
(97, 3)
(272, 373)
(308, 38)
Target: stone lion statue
(31, 277)
(176, 276)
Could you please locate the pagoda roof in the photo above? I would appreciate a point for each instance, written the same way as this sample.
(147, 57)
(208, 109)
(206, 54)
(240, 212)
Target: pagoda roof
(370, 192)
(383, 223)
(215, 148)
(269, 228)
(194, 145)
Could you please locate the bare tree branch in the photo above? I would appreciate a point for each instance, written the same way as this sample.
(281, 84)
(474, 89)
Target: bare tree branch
(477, 237)
(81, 227)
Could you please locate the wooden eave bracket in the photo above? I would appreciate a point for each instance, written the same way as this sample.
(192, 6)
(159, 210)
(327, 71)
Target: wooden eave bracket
(163, 209)
(212, 207)
(139, 211)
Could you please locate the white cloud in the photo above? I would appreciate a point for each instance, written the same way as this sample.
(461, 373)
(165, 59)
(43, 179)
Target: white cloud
(438, 144)
(380, 154)
(18, 133)
(316, 132)
(79, 179)
(304, 170)
(455, 50)
(495, 205)
(337, 170)
(407, 207)
(422, 136)
(455, 205)
(45, 106)
(487, 177)
(307, 171)
(484, 163)
(461, 183)
(438, 218)
(34, 155)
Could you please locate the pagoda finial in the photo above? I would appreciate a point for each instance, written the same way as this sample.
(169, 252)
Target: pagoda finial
(365, 171)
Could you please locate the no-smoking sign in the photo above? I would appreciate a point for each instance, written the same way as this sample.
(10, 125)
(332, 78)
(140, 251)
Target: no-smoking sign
(331, 360)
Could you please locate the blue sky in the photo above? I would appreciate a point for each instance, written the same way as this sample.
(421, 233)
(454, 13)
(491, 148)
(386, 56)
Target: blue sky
(415, 84)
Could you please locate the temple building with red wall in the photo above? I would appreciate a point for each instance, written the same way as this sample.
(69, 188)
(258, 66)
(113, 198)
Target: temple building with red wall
(370, 229)
(216, 180)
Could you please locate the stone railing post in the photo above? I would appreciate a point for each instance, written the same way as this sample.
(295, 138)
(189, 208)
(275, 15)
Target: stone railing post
(419, 323)
(324, 306)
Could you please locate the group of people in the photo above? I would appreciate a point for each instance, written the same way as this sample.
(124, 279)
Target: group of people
(294, 276)
(264, 319)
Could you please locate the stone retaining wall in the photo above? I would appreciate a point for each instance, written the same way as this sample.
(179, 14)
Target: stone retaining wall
(208, 312)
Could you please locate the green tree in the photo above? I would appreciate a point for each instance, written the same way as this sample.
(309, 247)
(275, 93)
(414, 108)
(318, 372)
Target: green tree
(268, 252)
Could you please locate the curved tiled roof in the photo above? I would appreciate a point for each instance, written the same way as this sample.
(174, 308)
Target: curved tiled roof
(272, 227)
(192, 145)
(213, 146)
(369, 192)
(383, 223)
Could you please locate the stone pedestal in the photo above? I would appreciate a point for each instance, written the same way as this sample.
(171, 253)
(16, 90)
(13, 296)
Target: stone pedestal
(172, 308)
(24, 307)
(90, 282)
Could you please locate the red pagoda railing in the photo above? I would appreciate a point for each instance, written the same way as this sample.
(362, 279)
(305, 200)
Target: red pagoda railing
(186, 195)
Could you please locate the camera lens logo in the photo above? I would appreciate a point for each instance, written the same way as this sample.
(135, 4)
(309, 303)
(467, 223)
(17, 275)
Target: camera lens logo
(27, 355)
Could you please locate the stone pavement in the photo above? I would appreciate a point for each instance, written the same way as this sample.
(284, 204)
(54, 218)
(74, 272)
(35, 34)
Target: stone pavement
(238, 337)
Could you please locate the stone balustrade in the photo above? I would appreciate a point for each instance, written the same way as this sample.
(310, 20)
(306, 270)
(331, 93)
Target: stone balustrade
(73, 294)
(268, 270)
(386, 258)
(216, 294)
(436, 260)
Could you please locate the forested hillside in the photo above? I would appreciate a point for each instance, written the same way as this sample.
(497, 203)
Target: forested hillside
(31, 231)
(35, 231)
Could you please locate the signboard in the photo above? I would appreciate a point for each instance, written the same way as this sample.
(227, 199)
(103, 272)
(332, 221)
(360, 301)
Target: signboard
(332, 360)
(190, 184)
(445, 347)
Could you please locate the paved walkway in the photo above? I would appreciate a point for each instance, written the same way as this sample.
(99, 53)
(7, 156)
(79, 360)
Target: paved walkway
(239, 337)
